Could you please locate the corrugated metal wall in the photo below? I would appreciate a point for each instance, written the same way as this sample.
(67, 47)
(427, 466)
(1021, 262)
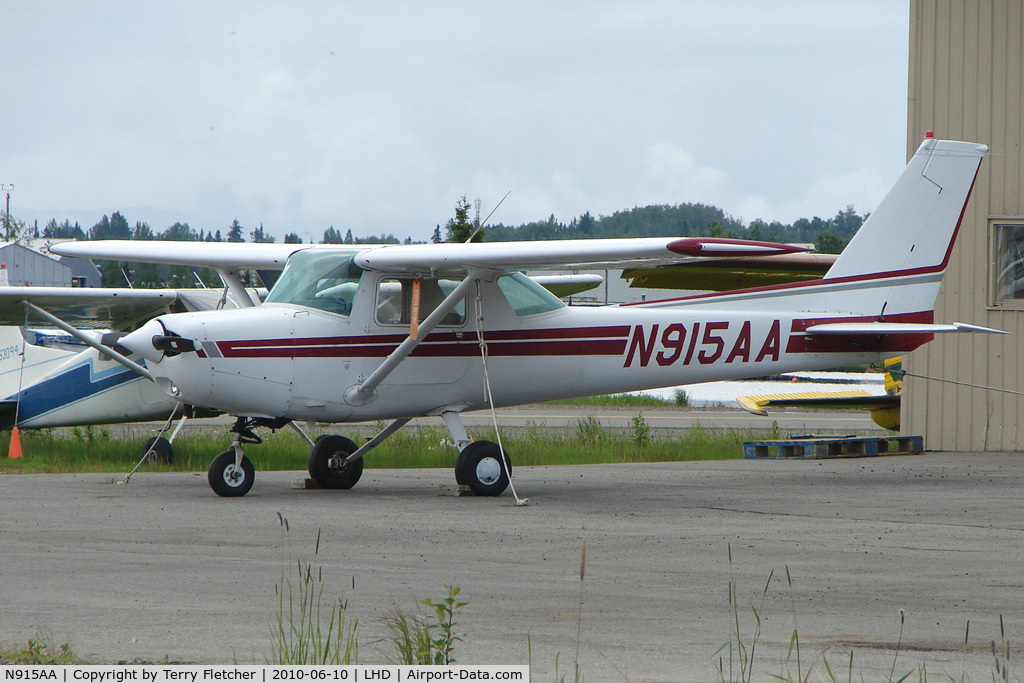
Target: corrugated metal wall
(967, 83)
(26, 267)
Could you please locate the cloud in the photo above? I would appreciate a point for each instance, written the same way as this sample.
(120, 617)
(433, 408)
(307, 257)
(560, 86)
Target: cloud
(862, 188)
(377, 117)
(674, 176)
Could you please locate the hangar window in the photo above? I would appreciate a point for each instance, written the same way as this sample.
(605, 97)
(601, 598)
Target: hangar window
(1008, 252)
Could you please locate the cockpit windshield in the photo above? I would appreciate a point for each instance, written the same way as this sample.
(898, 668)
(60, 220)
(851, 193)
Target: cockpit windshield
(327, 280)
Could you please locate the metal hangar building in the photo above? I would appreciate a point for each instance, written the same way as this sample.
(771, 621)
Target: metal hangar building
(967, 83)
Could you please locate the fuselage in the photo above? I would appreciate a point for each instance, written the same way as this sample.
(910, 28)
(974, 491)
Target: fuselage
(286, 359)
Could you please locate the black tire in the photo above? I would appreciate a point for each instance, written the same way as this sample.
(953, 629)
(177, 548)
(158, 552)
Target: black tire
(162, 452)
(324, 450)
(226, 480)
(479, 467)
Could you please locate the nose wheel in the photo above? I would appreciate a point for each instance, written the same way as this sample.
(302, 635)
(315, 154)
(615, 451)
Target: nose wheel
(230, 476)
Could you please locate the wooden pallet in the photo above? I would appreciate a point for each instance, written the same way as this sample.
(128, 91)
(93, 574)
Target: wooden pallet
(818, 447)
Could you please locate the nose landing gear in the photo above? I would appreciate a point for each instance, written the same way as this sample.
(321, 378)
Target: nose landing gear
(231, 474)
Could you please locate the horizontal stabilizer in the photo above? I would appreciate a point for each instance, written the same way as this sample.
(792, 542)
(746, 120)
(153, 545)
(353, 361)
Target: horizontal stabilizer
(896, 328)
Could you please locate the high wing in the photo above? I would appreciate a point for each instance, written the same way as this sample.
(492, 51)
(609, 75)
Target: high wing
(605, 253)
(437, 258)
(227, 255)
(86, 308)
(92, 308)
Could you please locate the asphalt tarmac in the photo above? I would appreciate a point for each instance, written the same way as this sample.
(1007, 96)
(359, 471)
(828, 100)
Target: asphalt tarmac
(662, 420)
(161, 569)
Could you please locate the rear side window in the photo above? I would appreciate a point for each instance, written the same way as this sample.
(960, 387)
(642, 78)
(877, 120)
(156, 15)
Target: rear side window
(526, 297)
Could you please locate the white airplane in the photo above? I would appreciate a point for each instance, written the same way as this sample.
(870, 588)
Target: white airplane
(50, 379)
(394, 332)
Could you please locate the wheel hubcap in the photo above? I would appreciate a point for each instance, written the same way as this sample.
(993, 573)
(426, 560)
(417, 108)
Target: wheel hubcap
(234, 476)
(488, 471)
(337, 463)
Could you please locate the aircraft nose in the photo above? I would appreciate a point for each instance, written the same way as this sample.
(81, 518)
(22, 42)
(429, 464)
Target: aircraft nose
(141, 341)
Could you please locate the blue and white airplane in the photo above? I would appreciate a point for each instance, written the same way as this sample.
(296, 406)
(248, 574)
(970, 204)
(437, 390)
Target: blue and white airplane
(69, 378)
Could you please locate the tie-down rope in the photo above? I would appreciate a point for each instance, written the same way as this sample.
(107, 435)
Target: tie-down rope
(490, 398)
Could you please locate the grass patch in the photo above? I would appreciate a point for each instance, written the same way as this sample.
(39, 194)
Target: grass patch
(617, 400)
(587, 442)
(41, 650)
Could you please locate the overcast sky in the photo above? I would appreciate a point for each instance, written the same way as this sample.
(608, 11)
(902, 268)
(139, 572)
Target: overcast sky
(378, 116)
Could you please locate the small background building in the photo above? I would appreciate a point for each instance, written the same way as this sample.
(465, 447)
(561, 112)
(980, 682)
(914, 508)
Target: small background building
(27, 267)
(967, 83)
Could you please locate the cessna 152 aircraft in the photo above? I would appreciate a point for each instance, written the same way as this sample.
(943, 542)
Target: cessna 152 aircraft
(52, 379)
(393, 332)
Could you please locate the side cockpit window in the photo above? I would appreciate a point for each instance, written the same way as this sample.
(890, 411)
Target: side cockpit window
(396, 296)
(327, 280)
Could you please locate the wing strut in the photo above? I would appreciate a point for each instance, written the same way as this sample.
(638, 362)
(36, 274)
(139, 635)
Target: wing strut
(86, 339)
(375, 441)
(361, 394)
(233, 284)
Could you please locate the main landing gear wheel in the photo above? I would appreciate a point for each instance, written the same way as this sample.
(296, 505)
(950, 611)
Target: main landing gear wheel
(326, 464)
(479, 467)
(227, 479)
(159, 450)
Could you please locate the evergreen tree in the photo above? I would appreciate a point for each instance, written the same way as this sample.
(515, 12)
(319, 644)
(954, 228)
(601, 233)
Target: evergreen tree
(460, 228)
(261, 237)
(331, 236)
(348, 237)
(179, 232)
(235, 232)
(63, 230)
(119, 229)
(292, 238)
(829, 243)
(113, 228)
(142, 231)
(436, 237)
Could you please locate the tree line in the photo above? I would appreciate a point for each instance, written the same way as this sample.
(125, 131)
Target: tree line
(151, 275)
(828, 235)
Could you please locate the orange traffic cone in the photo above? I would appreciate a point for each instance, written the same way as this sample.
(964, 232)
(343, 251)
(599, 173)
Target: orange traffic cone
(15, 449)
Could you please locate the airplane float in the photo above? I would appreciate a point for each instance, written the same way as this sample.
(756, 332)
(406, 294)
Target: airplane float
(395, 332)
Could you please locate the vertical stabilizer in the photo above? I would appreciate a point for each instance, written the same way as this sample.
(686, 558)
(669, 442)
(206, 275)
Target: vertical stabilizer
(913, 229)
